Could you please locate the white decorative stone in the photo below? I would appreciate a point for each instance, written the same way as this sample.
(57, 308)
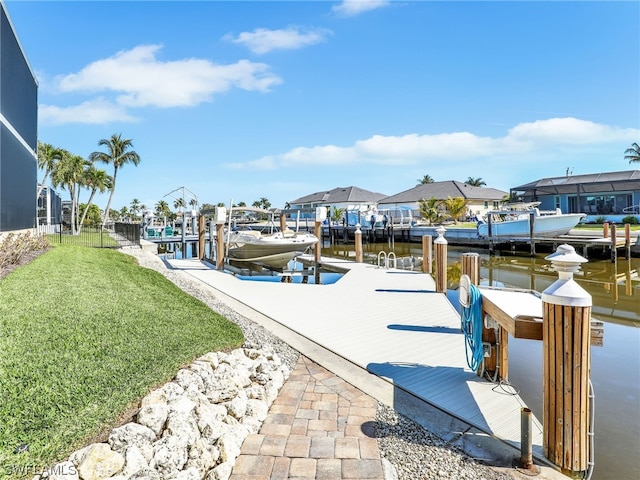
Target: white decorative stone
(257, 409)
(153, 411)
(202, 456)
(211, 358)
(100, 462)
(170, 455)
(237, 407)
(221, 472)
(172, 390)
(188, 380)
(134, 461)
(133, 434)
(183, 426)
(188, 474)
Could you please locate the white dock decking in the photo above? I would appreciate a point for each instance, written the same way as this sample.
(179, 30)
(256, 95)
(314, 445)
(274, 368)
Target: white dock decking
(391, 323)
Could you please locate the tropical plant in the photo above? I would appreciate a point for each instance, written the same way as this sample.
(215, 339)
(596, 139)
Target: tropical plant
(91, 215)
(179, 204)
(48, 156)
(135, 207)
(426, 179)
(633, 153)
(118, 154)
(430, 210)
(475, 182)
(68, 174)
(162, 209)
(97, 181)
(337, 214)
(456, 207)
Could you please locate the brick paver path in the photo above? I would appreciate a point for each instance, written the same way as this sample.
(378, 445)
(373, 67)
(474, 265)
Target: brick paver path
(319, 427)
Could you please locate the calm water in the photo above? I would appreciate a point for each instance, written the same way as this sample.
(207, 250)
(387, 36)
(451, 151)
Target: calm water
(615, 367)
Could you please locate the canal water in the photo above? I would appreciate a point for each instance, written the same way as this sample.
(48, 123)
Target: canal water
(615, 366)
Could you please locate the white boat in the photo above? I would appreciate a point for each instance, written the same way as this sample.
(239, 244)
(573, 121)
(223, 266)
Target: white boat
(513, 221)
(274, 249)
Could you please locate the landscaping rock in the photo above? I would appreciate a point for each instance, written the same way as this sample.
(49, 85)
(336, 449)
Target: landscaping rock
(100, 462)
(193, 427)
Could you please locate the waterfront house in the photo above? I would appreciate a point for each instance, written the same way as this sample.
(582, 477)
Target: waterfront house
(351, 199)
(18, 132)
(479, 199)
(608, 195)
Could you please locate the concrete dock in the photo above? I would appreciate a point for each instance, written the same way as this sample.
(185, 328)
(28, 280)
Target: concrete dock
(388, 333)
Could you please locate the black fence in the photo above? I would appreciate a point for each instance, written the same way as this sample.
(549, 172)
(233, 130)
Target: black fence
(111, 236)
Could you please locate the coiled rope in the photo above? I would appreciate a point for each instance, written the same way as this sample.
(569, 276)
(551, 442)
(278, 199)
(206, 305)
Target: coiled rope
(472, 328)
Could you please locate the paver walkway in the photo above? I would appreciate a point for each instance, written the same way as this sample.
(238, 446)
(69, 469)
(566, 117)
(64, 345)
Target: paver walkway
(318, 427)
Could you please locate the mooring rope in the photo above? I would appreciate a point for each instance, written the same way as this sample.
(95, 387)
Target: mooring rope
(472, 328)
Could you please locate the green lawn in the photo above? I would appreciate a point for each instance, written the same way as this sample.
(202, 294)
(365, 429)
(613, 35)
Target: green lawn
(84, 333)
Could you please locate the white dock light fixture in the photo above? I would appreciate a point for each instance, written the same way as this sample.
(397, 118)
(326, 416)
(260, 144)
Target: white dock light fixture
(220, 215)
(321, 214)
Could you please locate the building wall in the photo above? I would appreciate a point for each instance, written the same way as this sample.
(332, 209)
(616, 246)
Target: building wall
(18, 133)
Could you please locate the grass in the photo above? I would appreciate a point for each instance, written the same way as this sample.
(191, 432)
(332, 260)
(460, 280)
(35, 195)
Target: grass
(84, 334)
(88, 237)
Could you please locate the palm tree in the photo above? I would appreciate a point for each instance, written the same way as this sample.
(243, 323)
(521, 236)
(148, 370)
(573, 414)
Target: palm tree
(48, 156)
(179, 204)
(456, 207)
(97, 181)
(134, 206)
(632, 153)
(118, 154)
(475, 182)
(162, 209)
(69, 173)
(337, 213)
(430, 210)
(426, 179)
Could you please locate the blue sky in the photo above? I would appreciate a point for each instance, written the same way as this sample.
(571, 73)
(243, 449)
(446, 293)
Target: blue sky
(243, 100)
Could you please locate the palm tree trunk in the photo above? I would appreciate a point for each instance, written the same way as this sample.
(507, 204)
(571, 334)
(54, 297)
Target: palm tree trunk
(86, 210)
(113, 188)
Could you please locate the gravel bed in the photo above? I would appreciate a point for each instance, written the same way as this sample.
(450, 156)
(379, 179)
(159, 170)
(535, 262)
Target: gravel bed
(414, 452)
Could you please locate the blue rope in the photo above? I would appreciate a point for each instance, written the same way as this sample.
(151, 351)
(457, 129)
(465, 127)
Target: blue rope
(472, 328)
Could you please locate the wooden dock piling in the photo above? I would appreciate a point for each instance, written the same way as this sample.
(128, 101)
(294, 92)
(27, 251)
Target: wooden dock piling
(358, 246)
(440, 247)
(201, 237)
(566, 366)
(427, 254)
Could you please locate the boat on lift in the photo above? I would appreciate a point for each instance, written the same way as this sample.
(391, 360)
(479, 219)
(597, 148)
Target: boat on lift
(514, 221)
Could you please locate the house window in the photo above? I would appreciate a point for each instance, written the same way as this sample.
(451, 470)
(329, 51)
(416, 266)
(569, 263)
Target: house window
(556, 200)
(486, 204)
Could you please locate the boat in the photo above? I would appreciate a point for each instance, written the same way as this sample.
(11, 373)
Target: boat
(274, 249)
(513, 221)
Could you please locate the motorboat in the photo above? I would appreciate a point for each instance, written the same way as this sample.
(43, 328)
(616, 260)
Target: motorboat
(269, 247)
(517, 220)
(274, 249)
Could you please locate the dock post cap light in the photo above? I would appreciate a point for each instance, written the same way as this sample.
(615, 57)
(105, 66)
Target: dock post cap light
(358, 227)
(565, 291)
(565, 259)
(440, 231)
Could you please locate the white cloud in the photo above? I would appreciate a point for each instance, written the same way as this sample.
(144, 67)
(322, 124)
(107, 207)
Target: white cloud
(540, 138)
(98, 111)
(143, 80)
(351, 8)
(262, 40)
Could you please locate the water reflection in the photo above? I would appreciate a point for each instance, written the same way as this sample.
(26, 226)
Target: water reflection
(615, 366)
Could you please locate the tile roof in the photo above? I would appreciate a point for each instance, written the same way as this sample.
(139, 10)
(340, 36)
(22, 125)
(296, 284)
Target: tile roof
(341, 195)
(443, 190)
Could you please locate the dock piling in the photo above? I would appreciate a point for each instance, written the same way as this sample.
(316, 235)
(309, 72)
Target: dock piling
(566, 365)
(441, 260)
(358, 246)
(427, 254)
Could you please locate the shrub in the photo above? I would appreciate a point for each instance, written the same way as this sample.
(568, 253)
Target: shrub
(630, 219)
(600, 220)
(14, 247)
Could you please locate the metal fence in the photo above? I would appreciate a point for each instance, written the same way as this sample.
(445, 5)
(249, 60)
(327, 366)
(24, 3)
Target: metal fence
(111, 236)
